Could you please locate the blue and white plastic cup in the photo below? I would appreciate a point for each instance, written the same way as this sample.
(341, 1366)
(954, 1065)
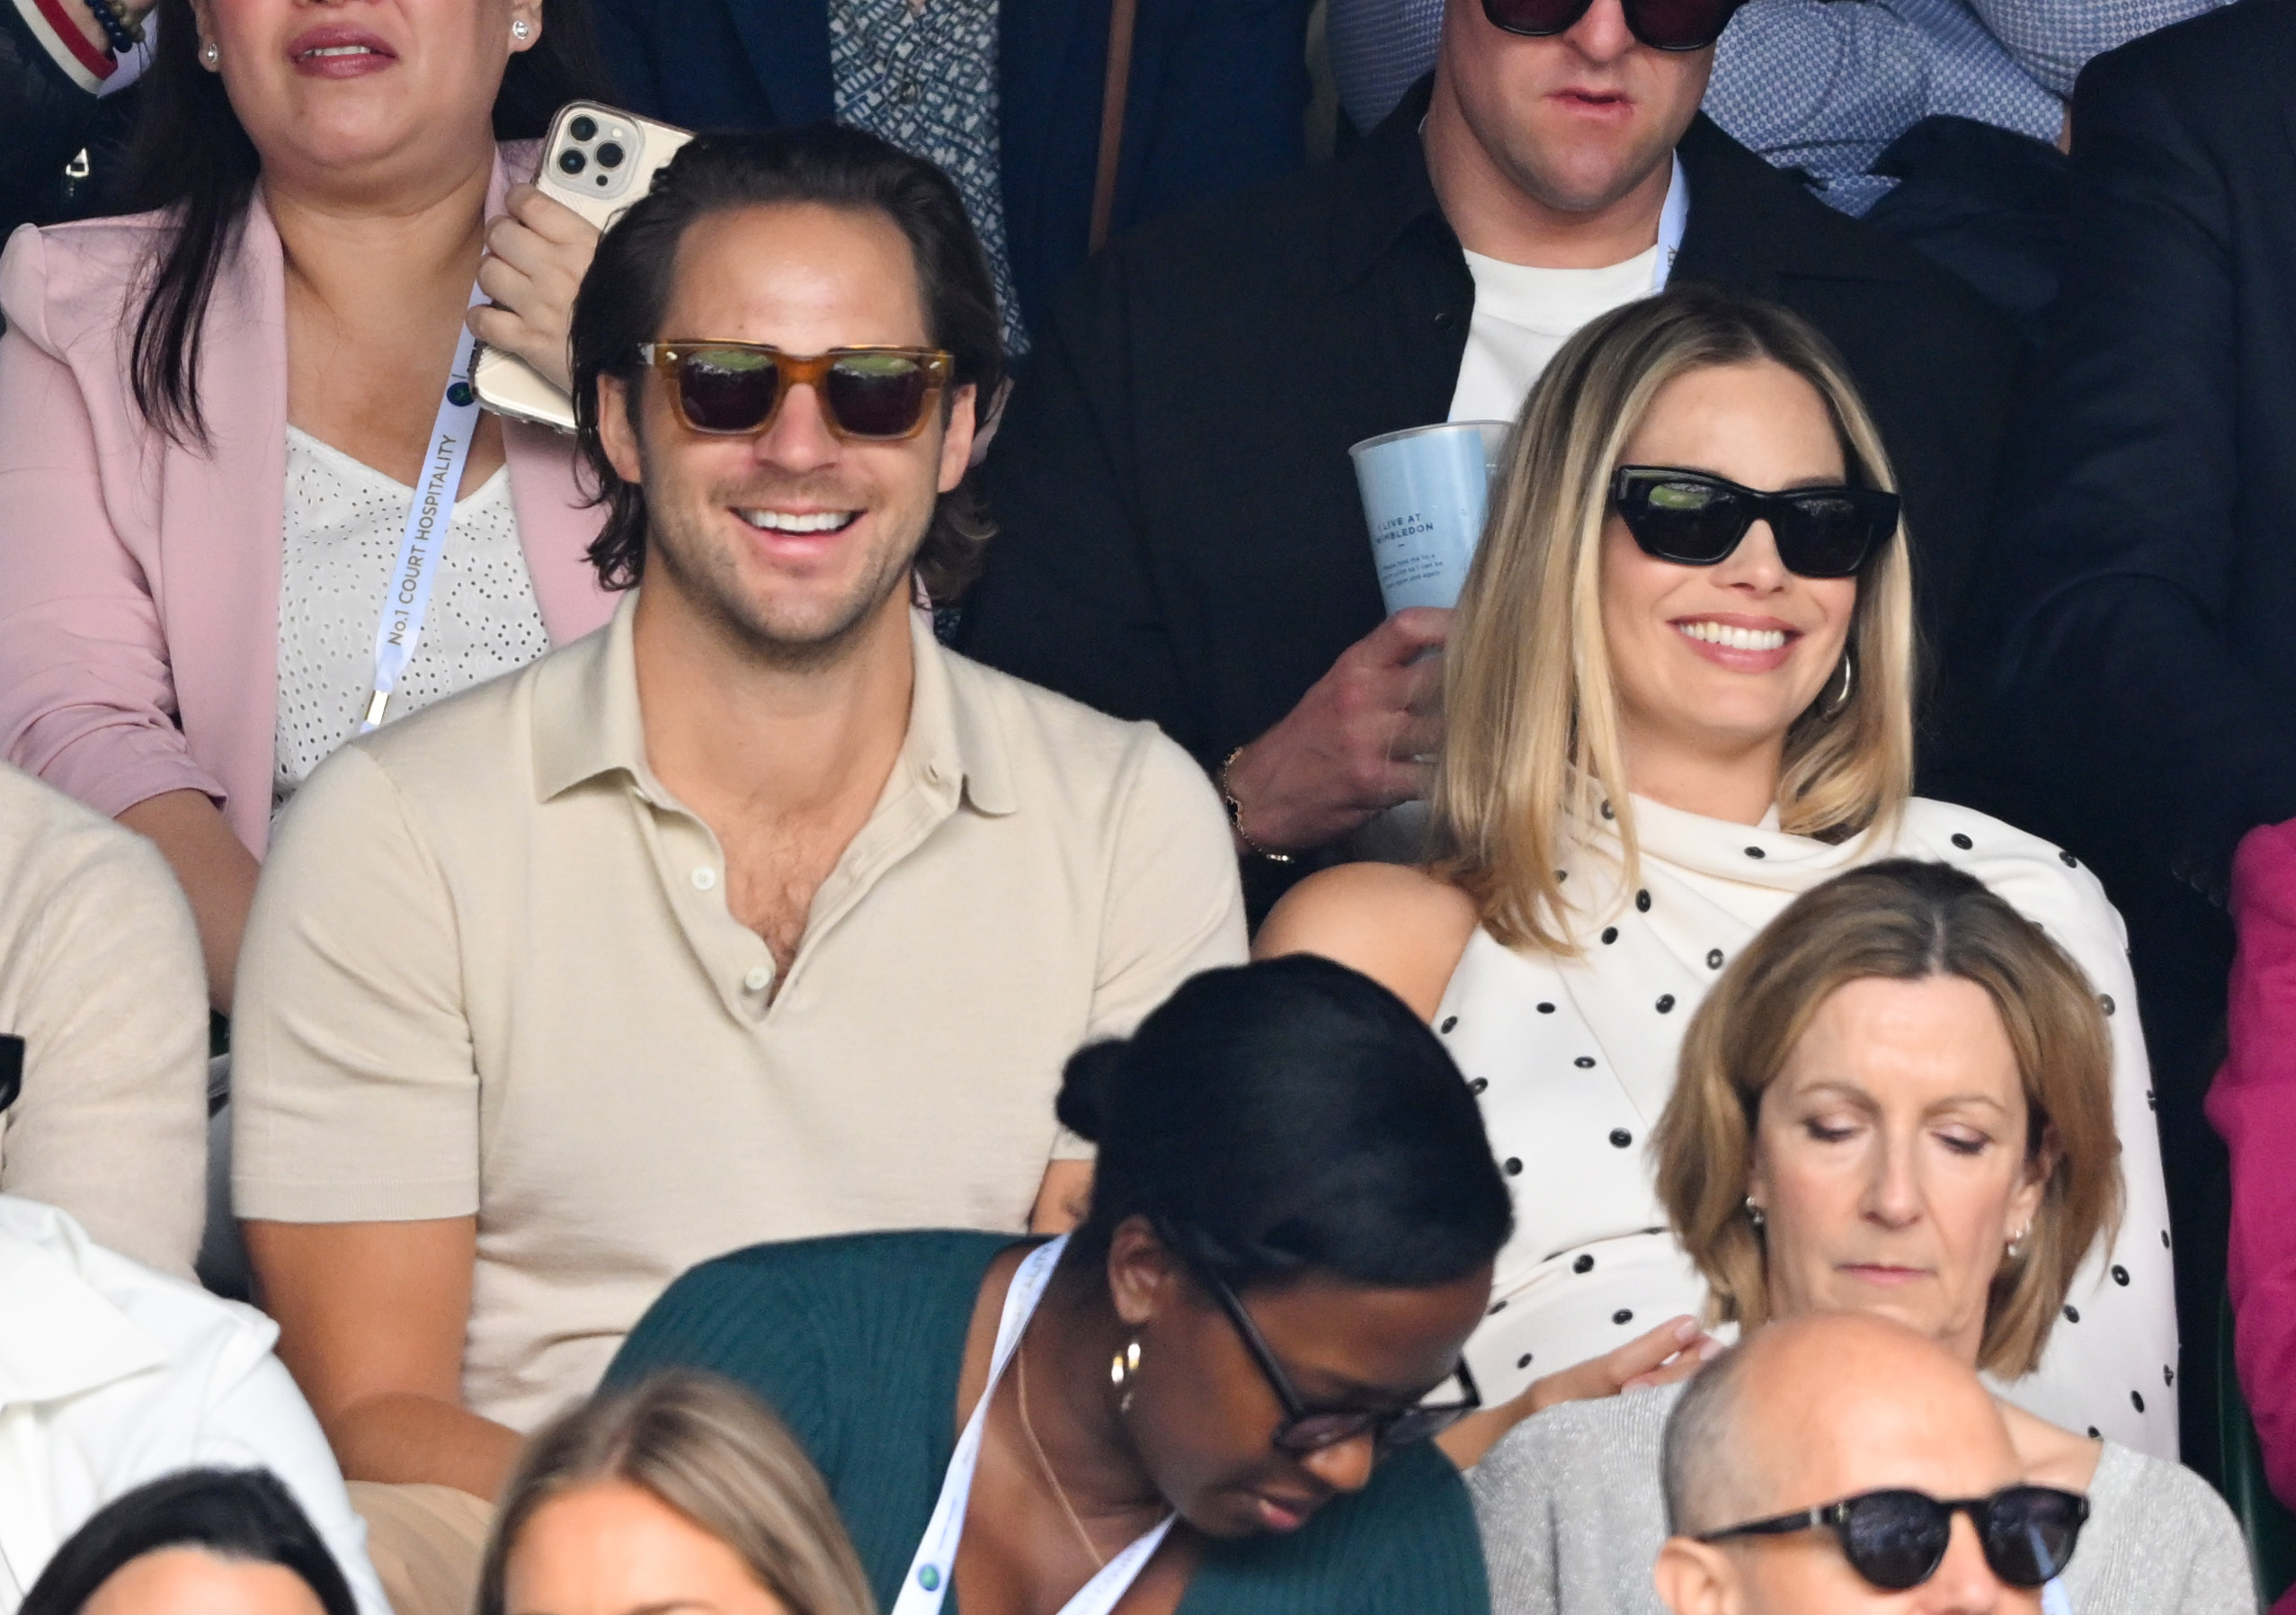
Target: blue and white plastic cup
(1426, 492)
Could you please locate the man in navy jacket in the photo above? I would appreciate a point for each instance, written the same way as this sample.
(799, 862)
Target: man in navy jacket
(1217, 95)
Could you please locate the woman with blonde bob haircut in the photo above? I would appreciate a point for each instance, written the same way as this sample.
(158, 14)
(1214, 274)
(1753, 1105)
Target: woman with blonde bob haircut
(1897, 1100)
(683, 1491)
(1679, 694)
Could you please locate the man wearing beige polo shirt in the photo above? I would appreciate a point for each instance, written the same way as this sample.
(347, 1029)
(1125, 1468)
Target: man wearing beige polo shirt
(754, 915)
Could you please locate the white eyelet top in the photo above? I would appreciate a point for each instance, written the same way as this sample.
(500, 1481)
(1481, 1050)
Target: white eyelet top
(343, 523)
(1572, 1060)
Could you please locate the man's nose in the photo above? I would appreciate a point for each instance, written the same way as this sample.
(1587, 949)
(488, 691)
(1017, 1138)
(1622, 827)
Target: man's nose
(799, 438)
(1964, 1584)
(1602, 34)
(1343, 1466)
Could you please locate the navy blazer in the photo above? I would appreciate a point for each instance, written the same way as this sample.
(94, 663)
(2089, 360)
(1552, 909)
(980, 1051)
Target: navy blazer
(1218, 94)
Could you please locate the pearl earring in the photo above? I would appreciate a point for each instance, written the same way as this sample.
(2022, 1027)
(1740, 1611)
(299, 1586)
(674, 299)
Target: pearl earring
(1122, 1368)
(521, 28)
(1754, 1213)
(2017, 1242)
(211, 56)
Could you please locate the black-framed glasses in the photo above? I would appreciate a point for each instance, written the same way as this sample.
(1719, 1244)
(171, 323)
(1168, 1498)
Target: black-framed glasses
(735, 388)
(1698, 519)
(1309, 1427)
(1661, 25)
(1895, 1540)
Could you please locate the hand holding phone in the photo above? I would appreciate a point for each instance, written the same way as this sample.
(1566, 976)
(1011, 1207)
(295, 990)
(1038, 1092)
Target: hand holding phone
(596, 161)
(535, 256)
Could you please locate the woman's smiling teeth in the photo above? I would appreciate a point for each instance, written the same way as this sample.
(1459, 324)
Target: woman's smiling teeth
(1735, 638)
(782, 521)
(338, 50)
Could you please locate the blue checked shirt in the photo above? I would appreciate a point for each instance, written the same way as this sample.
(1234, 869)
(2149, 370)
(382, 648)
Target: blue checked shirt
(1822, 85)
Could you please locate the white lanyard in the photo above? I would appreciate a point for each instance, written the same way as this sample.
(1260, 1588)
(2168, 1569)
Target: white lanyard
(406, 598)
(935, 1565)
(1673, 218)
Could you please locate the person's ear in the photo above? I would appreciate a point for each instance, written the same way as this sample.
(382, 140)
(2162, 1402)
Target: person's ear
(1142, 1274)
(2039, 1166)
(617, 434)
(1696, 1578)
(956, 437)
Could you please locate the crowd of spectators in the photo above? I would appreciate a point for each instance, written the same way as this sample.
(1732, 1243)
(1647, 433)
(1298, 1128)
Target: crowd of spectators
(581, 1012)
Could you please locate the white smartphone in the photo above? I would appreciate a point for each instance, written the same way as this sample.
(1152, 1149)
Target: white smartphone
(597, 160)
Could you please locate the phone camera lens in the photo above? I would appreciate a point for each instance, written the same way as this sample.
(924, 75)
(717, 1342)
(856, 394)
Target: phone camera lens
(610, 156)
(583, 128)
(572, 162)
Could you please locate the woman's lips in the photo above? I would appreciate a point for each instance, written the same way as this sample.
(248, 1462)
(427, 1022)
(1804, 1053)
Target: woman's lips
(1742, 647)
(337, 51)
(1876, 1273)
(1288, 1515)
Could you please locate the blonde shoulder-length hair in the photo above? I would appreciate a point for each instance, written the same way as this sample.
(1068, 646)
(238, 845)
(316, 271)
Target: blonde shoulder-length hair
(1900, 920)
(715, 1454)
(1531, 703)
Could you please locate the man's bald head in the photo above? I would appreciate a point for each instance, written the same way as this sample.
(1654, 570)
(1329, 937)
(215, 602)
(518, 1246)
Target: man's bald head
(1812, 1409)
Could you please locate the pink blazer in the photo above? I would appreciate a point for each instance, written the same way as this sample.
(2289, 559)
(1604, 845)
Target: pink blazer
(139, 579)
(2253, 1103)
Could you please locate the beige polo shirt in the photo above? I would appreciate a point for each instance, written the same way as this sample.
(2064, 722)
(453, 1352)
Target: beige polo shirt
(491, 970)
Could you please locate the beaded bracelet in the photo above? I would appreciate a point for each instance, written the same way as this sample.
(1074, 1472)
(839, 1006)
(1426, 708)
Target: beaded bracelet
(116, 28)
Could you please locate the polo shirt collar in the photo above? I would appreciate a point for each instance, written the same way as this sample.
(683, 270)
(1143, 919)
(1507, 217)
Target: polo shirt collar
(587, 723)
(63, 1337)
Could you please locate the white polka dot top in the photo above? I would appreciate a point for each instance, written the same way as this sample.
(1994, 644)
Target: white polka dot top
(344, 519)
(1572, 1060)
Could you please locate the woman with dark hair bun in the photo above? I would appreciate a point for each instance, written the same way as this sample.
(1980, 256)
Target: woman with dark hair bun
(1217, 1394)
(192, 1543)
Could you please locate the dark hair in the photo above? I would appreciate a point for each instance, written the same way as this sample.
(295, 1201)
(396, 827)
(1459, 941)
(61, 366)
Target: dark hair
(244, 1514)
(627, 294)
(190, 153)
(1286, 1116)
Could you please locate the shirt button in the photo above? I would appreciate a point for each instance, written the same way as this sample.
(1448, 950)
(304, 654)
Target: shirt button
(704, 877)
(758, 979)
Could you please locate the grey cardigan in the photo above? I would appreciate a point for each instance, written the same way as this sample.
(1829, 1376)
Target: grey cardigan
(1572, 1518)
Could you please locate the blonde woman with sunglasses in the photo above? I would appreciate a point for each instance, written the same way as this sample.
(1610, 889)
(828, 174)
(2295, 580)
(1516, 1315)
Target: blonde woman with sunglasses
(1679, 693)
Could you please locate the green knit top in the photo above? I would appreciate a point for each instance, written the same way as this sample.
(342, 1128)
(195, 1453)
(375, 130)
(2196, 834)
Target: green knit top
(857, 1343)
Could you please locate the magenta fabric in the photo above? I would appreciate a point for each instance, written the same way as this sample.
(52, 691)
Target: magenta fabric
(139, 579)
(2253, 1103)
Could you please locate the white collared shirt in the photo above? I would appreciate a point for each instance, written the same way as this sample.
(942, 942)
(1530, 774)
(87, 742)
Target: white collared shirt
(112, 1375)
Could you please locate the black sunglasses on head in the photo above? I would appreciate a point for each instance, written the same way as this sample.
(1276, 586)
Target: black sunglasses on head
(1696, 518)
(1895, 1540)
(1661, 25)
(1309, 1428)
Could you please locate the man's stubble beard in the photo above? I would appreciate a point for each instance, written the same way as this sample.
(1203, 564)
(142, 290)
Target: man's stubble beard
(707, 578)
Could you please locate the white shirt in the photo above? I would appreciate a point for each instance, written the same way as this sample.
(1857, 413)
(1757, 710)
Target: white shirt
(343, 522)
(1523, 317)
(1572, 1060)
(112, 1374)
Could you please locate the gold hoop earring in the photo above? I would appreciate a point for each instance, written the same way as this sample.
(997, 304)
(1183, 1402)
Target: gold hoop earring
(1122, 1370)
(1840, 703)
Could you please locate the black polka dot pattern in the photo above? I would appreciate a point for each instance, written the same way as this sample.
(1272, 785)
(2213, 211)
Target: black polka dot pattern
(1608, 811)
(2071, 862)
(1514, 1166)
(1524, 1361)
(1609, 935)
(1546, 1009)
(1666, 1003)
(2104, 1001)
(2073, 1315)
(1584, 1264)
(1756, 852)
(1642, 902)
(1963, 842)
(1620, 1138)
(1713, 958)
(1624, 1315)
(1585, 1062)
(2168, 1375)
(2138, 1398)
(1479, 1084)
(2121, 1275)
(1449, 1021)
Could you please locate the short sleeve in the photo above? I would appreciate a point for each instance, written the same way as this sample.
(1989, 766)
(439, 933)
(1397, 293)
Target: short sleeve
(1174, 904)
(355, 1091)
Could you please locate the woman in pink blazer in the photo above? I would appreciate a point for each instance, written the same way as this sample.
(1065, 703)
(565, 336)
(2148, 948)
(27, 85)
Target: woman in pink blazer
(242, 381)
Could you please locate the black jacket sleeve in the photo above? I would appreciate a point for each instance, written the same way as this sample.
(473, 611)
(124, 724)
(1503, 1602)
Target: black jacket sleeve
(2121, 543)
(1071, 600)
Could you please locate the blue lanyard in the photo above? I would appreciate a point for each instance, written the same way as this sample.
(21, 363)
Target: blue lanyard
(406, 600)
